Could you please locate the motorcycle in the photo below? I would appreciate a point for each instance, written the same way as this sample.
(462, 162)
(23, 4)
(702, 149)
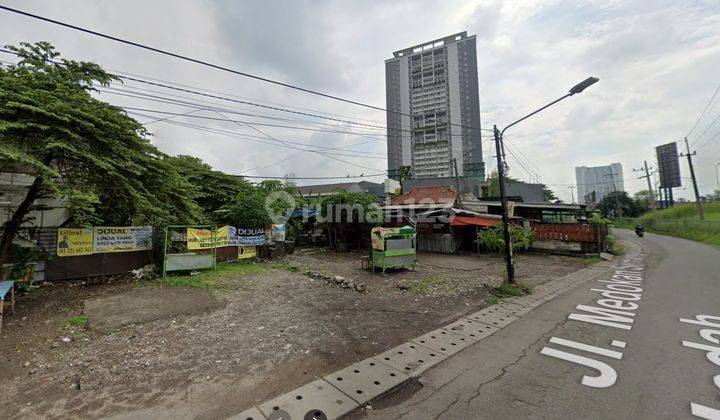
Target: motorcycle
(640, 230)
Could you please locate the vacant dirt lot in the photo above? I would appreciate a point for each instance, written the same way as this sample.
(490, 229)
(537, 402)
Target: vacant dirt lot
(271, 329)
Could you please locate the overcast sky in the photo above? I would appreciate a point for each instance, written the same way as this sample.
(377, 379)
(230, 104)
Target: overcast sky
(658, 64)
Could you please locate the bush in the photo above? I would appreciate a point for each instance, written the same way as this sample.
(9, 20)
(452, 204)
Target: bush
(492, 238)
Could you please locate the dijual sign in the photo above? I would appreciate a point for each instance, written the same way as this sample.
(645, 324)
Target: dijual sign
(122, 239)
(74, 241)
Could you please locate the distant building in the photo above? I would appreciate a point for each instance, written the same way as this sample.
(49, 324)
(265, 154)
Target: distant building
(594, 183)
(48, 212)
(434, 110)
(471, 185)
(312, 191)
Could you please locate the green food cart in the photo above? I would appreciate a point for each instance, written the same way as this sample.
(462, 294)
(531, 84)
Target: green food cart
(393, 247)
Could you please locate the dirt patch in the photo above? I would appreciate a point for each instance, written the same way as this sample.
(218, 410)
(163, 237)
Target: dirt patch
(141, 305)
(277, 329)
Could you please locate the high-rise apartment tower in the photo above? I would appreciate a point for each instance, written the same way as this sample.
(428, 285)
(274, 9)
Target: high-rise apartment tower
(433, 108)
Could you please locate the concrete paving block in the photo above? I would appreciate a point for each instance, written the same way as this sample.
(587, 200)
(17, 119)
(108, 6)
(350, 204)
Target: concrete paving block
(315, 396)
(249, 414)
(445, 342)
(494, 318)
(411, 358)
(531, 301)
(468, 328)
(513, 308)
(366, 379)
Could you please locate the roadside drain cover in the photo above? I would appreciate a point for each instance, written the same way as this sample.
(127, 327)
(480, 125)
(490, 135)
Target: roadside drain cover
(513, 308)
(496, 319)
(445, 342)
(317, 396)
(366, 379)
(531, 301)
(411, 358)
(249, 414)
(471, 329)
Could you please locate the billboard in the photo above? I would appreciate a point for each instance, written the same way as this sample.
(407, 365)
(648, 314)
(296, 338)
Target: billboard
(668, 165)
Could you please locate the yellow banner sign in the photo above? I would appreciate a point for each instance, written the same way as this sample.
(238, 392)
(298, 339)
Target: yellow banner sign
(74, 241)
(203, 238)
(245, 252)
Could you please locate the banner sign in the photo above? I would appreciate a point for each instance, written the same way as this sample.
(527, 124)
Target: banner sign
(669, 165)
(74, 241)
(245, 252)
(278, 233)
(122, 239)
(250, 237)
(199, 238)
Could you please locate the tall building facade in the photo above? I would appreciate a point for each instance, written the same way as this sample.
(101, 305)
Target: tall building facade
(433, 108)
(594, 183)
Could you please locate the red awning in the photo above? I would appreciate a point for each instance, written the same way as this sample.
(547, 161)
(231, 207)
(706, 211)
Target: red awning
(473, 221)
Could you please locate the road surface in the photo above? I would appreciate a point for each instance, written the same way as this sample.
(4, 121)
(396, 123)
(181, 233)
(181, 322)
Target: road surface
(619, 351)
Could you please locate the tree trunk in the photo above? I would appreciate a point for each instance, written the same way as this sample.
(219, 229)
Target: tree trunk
(13, 225)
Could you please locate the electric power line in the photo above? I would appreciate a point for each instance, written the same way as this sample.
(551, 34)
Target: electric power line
(704, 111)
(211, 65)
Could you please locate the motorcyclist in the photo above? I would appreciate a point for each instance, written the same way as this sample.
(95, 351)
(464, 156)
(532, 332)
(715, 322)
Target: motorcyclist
(639, 230)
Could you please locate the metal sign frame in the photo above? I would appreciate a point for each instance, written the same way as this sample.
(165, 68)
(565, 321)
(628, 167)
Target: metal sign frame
(213, 247)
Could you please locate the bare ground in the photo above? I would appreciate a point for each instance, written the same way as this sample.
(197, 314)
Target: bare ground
(272, 331)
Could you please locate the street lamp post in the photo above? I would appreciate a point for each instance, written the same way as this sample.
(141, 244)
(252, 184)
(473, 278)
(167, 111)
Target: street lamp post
(502, 169)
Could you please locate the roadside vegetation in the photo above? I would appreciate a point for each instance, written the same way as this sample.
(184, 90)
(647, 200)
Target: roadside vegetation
(509, 290)
(681, 221)
(211, 280)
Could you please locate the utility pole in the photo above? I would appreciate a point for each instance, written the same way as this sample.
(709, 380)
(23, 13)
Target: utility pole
(572, 194)
(615, 193)
(457, 182)
(689, 155)
(647, 175)
(503, 203)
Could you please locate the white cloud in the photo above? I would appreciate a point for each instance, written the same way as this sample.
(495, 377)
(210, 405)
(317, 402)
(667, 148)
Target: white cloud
(657, 62)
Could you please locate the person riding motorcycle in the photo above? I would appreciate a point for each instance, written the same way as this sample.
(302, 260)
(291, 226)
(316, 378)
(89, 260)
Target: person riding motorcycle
(640, 230)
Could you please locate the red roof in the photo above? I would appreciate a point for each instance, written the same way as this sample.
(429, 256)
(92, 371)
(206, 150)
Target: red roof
(427, 195)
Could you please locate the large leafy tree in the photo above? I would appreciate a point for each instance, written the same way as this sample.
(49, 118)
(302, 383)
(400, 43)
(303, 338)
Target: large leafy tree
(213, 189)
(609, 205)
(250, 207)
(81, 148)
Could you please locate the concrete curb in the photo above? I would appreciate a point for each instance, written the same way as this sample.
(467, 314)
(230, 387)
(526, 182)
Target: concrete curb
(348, 389)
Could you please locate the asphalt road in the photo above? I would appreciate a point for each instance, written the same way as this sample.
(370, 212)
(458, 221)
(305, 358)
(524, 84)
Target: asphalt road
(647, 372)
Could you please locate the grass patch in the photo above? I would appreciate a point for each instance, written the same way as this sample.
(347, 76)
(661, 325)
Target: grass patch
(593, 260)
(510, 290)
(74, 322)
(492, 300)
(211, 279)
(682, 221)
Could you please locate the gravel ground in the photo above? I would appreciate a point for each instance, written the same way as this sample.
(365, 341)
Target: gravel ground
(274, 330)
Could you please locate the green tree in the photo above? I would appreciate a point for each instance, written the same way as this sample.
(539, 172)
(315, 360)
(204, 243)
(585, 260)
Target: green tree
(548, 194)
(494, 188)
(82, 148)
(642, 199)
(250, 207)
(213, 189)
(608, 206)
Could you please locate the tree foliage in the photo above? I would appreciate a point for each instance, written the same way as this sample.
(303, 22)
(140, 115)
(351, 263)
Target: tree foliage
(81, 148)
(493, 238)
(212, 189)
(549, 195)
(609, 205)
(250, 207)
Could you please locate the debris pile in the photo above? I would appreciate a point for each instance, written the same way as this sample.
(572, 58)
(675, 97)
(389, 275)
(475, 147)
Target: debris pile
(338, 281)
